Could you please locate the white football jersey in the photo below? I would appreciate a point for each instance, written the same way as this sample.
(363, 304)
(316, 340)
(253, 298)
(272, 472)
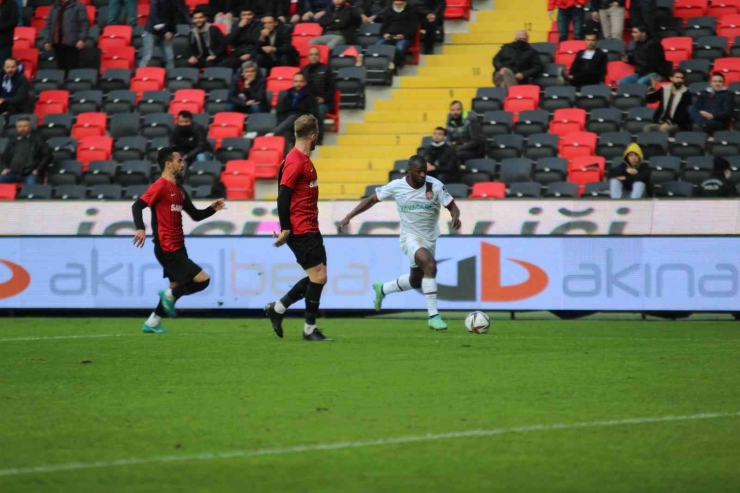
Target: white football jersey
(418, 207)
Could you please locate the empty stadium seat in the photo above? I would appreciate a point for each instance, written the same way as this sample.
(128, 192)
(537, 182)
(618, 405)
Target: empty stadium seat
(522, 98)
(129, 148)
(182, 78)
(550, 170)
(133, 192)
(698, 27)
(35, 192)
(546, 51)
(24, 37)
(506, 146)
(725, 144)
(616, 71)
(119, 101)
(677, 49)
(596, 190)
(562, 190)
(7, 191)
(62, 148)
(489, 99)
(565, 121)
(614, 48)
(203, 173)
(496, 123)
(664, 169)
(115, 79)
(233, 149)
(106, 192)
(154, 102)
(48, 80)
(488, 190)
(67, 172)
(351, 84)
(50, 102)
(602, 120)
(729, 26)
(596, 164)
(697, 169)
(478, 171)
(515, 170)
(594, 97)
(239, 186)
(377, 61)
(226, 125)
(630, 96)
(192, 100)
(261, 123)
(115, 36)
(99, 172)
(240, 167)
(557, 97)
(94, 149)
(56, 125)
(710, 48)
(574, 144)
(730, 68)
(531, 190)
(304, 33)
(148, 79)
(532, 122)
(687, 144)
(90, 124)
(541, 146)
(267, 153)
(637, 119)
(653, 144)
(675, 189)
(87, 101)
(118, 57)
(611, 146)
(215, 78)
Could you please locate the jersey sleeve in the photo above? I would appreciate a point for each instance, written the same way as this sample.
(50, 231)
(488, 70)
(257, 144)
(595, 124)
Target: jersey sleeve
(386, 191)
(151, 196)
(444, 196)
(291, 173)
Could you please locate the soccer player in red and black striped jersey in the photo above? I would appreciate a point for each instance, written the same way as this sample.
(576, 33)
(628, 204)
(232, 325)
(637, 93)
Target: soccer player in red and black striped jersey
(168, 199)
(298, 208)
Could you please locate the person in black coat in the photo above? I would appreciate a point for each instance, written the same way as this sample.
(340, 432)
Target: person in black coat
(340, 25)
(243, 39)
(648, 57)
(516, 63)
(274, 46)
(26, 157)
(370, 9)
(248, 93)
(672, 114)
(432, 15)
(399, 26)
(293, 104)
(719, 185)
(8, 22)
(589, 66)
(190, 139)
(441, 158)
(14, 90)
(207, 43)
(320, 78)
(160, 28)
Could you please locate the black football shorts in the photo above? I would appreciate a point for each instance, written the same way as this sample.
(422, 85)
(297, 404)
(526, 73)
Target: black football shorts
(308, 249)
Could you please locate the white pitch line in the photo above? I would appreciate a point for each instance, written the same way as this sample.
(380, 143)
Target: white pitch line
(52, 338)
(362, 444)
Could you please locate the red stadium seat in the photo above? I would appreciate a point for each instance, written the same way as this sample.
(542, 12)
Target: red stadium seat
(91, 13)
(567, 51)
(90, 125)
(577, 144)
(238, 186)
(488, 190)
(29, 57)
(334, 117)
(522, 98)
(686, 9)
(617, 70)
(415, 49)
(7, 191)
(587, 163)
(568, 120)
(553, 36)
(458, 9)
(118, 57)
(24, 37)
(240, 167)
(730, 68)
(280, 79)
(729, 26)
(721, 8)
(582, 178)
(267, 153)
(226, 125)
(193, 3)
(304, 33)
(115, 37)
(677, 49)
(51, 102)
(94, 149)
(142, 12)
(192, 100)
(148, 79)
(324, 52)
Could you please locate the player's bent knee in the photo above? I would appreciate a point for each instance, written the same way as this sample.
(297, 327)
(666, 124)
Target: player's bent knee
(202, 277)
(317, 275)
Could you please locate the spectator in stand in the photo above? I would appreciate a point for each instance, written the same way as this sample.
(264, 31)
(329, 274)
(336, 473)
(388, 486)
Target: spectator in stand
(719, 185)
(464, 133)
(713, 108)
(244, 36)
(279, 8)
(340, 26)
(370, 9)
(321, 85)
(399, 27)
(8, 22)
(441, 158)
(65, 31)
(190, 139)
(207, 42)
(672, 114)
(160, 29)
(314, 10)
(274, 46)
(632, 175)
(293, 104)
(116, 7)
(569, 11)
(26, 157)
(432, 15)
(610, 13)
(248, 92)
(648, 57)
(223, 11)
(642, 13)
(516, 62)
(589, 65)
(14, 91)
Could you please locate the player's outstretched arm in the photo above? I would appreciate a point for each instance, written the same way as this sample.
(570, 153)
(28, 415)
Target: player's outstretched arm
(455, 213)
(200, 214)
(137, 209)
(364, 205)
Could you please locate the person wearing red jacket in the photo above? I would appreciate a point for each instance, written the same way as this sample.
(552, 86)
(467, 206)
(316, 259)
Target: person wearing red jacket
(568, 11)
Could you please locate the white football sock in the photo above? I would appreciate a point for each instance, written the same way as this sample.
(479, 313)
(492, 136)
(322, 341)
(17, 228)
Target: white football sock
(279, 307)
(168, 294)
(308, 329)
(401, 284)
(429, 288)
(153, 320)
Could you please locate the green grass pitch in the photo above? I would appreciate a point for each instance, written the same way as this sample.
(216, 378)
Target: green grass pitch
(225, 406)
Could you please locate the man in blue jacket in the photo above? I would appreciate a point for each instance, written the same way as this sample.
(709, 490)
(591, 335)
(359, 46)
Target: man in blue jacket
(160, 29)
(713, 108)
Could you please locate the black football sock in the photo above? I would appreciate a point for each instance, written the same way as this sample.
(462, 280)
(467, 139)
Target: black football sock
(159, 311)
(189, 288)
(313, 299)
(296, 293)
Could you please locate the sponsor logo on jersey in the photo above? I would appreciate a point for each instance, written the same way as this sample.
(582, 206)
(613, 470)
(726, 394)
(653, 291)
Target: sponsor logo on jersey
(415, 207)
(313, 184)
(176, 208)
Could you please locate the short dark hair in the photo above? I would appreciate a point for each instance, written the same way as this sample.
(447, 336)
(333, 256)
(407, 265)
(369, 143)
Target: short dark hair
(417, 160)
(201, 9)
(185, 114)
(444, 130)
(591, 33)
(721, 165)
(246, 9)
(642, 29)
(23, 119)
(164, 155)
(456, 102)
(718, 74)
(678, 71)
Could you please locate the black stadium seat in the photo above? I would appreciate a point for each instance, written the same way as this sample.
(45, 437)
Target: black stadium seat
(541, 146)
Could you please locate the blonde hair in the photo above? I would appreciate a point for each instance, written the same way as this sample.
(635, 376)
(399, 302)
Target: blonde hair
(305, 126)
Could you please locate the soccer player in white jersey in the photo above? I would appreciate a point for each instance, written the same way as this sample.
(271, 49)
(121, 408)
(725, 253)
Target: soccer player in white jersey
(419, 198)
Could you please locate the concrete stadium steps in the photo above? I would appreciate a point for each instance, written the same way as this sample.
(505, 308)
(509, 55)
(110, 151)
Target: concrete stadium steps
(367, 153)
(461, 61)
(434, 94)
(385, 105)
(353, 177)
(500, 37)
(338, 191)
(407, 116)
(379, 140)
(369, 129)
